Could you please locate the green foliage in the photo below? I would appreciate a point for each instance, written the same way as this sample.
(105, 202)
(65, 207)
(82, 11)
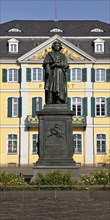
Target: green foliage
(11, 179)
(53, 178)
(97, 178)
(56, 180)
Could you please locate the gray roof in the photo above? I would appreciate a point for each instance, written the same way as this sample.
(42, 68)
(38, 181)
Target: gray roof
(71, 28)
(42, 28)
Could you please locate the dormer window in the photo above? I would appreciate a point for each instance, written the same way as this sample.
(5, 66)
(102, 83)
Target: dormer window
(99, 46)
(97, 30)
(14, 30)
(13, 45)
(56, 30)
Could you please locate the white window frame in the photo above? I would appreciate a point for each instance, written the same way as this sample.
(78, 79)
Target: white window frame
(99, 45)
(79, 153)
(12, 153)
(96, 103)
(13, 48)
(8, 73)
(13, 45)
(32, 75)
(14, 105)
(76, 105)
(100, 69)
(33, 153)
(100, 153)
(76, 75)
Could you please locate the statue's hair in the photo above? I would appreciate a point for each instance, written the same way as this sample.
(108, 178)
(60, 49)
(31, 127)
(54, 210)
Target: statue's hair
(53, 45)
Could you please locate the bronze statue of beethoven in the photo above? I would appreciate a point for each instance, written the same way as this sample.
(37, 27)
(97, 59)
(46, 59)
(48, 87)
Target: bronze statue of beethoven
(55, 65)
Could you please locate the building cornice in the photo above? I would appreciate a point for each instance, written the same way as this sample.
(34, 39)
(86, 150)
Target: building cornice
(47, 37)
(4, 61)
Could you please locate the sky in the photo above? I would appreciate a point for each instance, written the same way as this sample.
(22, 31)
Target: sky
(54, 9)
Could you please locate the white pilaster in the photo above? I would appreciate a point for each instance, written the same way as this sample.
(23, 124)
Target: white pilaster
(23, 129)
(89, 157)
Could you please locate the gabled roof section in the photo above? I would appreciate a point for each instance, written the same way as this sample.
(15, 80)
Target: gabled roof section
(99, 40)
(71, 51)
(13, 40)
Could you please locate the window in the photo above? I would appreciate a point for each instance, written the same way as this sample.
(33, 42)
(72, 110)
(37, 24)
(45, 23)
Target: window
(77, 143)
(36, 105)
(97, 30)
(56, 30)
(37, 74)
(34, 143)
(34, 74)
(13, 45)
(100, 107)
(12, 75)
(13, 48)
(100, 75)
(14, 107)
(99, 46)
(12, 144)
(76, 74)
(101, 143)
(14, 30)
(76, 106)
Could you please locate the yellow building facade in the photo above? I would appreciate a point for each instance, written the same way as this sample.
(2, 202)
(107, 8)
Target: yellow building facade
(22, 94)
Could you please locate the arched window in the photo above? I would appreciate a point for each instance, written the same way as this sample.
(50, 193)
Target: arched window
(14, 30)
(97, 30)
(56, 30)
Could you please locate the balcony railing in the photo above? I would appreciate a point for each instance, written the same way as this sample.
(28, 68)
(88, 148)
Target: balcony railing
(77, 121)
(32, 121)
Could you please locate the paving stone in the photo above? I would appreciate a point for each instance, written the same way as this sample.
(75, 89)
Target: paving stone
(55, 205)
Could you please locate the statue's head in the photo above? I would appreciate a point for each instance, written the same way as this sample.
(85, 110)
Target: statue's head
(56, 46)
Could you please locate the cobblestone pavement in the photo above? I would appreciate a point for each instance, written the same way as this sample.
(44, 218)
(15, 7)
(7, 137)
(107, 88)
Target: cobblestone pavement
(55, 205)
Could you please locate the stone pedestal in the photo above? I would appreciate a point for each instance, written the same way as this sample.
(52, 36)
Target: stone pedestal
(55, 136)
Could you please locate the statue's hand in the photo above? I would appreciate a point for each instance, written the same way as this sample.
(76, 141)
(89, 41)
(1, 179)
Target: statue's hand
(53, 65)
(59, 64)
(56, 65)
